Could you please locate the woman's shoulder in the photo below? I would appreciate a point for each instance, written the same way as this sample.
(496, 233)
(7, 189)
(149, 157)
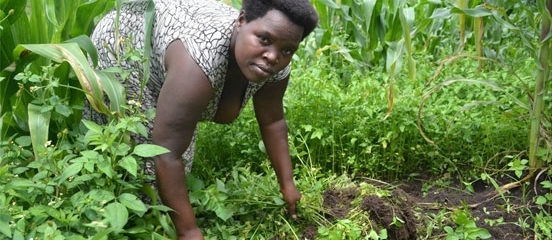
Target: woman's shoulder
(199, 19)
(203, 26)
(194, 7)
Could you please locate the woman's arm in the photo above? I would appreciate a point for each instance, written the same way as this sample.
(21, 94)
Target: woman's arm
(269, 112)
(185, 93)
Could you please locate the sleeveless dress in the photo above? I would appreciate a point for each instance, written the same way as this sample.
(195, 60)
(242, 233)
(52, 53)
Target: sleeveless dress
(205, 28)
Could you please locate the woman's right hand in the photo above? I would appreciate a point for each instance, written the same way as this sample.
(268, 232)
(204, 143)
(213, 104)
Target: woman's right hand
(192, 234)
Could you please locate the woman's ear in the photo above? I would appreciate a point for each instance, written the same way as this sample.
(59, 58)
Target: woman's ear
(241, 18)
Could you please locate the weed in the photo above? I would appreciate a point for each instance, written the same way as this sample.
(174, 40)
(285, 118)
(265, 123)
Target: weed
(466, 227)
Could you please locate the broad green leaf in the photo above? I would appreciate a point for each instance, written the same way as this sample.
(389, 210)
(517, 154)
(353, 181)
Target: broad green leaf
(472, 12)
(117, 215)
(441, 13)
(17, 6)
(40, 175)
(20, 183)
(482, 233)
(40, 27)
(114, 90)
(157, 236)
(105, 167)
(329, 3)
(72, 170)
(102, 235)
(101, 195)
(223, 212)
(63, 110)
(278, 201)
(17, 235)
(541, 200)
(161, 208)
(133, 203)
(23, 141)
(85, 43)
(90, 154)
(149, 19)
(92, 126)
(39, 123)
(129, 163)
(368, 12)
(3, 170)
(50, 7)
(85, 15)
(165, 222)
(194, 184)
(149, 150)
(5, 229)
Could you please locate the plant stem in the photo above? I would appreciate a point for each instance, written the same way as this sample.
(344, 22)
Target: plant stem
(462, 23)
(543, 70)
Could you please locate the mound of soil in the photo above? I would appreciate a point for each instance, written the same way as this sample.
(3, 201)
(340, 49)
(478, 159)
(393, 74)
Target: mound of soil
(392, 212)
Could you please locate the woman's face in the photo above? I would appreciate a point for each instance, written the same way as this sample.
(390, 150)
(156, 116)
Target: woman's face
(265, 45)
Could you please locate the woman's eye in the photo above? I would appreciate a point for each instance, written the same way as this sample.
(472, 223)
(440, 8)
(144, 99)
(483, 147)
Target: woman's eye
(288, 52)
(263, 39)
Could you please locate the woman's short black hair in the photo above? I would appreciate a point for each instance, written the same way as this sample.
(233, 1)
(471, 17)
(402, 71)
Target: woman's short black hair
(300, 12)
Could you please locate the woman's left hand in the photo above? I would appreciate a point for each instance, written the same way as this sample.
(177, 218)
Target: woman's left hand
(291, 196)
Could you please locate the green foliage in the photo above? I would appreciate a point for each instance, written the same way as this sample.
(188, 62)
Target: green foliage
(70, 191)
(43, 22)
(467, 229)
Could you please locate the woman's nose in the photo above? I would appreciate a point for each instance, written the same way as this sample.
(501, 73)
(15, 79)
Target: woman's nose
(271, 56)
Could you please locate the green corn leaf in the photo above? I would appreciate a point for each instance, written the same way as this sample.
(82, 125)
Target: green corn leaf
(85, 43)
(149, 18)
(18, 7)
(85, 15)
(330, 4)
(40, 27)
(441, 13)
(472, 12)
(90, 80)
(113, 89)
(39, 123)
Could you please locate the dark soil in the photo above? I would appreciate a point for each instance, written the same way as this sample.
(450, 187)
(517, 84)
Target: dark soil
(503, 215)
(386, 211)
(425, 208)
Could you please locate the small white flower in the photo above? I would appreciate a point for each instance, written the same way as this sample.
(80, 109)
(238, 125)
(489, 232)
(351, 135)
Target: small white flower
(48, 143)
(98, 224)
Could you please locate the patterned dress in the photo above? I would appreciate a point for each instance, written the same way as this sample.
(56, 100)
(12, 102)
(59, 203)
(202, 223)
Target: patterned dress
(205, 28)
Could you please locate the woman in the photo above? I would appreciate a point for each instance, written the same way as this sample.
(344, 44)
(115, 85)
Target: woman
(207, 61)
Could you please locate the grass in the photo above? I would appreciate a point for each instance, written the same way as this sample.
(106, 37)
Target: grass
(341, 124)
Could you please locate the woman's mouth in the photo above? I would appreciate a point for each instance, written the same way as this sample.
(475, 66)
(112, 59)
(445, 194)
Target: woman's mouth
(262, 70)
